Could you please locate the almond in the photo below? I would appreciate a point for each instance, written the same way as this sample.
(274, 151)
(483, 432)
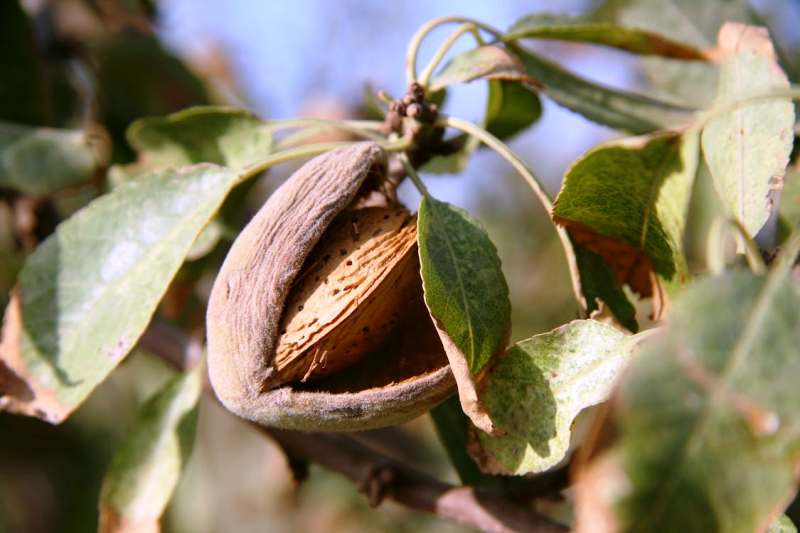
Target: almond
(316, 320)
(355, 285)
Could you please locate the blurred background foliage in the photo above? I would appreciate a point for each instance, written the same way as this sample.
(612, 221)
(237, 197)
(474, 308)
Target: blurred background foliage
(97, 65)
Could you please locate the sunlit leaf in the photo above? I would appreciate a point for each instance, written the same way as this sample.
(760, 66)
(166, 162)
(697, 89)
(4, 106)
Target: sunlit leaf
(147, 466)
(747, 149)
(782, 525)
(43, 160)
(539, 386)
(466, 293)
(630, 39)
(706, 417)
(627, 202)
(87, 293)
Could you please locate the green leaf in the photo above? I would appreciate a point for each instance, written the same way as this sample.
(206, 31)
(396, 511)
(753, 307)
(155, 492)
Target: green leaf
(627, 201)
(452, 427)
(598, 283)
(782, 525)
(575, 29)
(87, 293)
(790, 199)
(485, 62)
(42, 160)
(147, 466)
(687, 21)
(707, 415)
(617, 109)
(511, 108)
(221, 135)
(465, 292)
(539, 386)
(747, 149)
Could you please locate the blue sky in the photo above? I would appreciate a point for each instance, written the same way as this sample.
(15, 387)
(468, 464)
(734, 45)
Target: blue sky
(287, 54)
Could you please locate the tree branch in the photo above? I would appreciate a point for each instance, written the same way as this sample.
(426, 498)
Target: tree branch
(380, 477)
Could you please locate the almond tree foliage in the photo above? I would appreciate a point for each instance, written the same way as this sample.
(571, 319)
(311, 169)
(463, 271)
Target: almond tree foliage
(691, 360)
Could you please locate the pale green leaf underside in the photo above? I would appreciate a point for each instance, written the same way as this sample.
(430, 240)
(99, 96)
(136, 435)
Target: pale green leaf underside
(747, 149)
(90, 289)
(630, 39)
(464, 285)
(688, 21)
(42, 160)
(635, 191)
(483, 62)
(708, 419)
(782, 525)
(147, 466)
(539, 386)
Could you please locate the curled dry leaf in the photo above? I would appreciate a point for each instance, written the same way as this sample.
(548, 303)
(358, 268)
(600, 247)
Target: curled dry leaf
(316, 319)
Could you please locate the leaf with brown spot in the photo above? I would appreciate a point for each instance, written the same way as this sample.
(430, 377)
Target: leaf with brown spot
(627, 201)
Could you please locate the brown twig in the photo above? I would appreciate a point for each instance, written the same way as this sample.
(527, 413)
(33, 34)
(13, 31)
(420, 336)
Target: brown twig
(171, 344)
(381, 477)
(377, 474)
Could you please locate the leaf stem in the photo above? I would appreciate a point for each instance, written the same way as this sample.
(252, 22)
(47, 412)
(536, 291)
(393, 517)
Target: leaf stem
(413, 45)
(523, 170)
(445, 47)
(309, 151)
(504, 151)
(715, 247)
(413, 176)
(362, 128)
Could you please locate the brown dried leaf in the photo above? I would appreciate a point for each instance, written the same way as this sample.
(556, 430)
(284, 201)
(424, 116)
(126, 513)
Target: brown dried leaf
(20, 391)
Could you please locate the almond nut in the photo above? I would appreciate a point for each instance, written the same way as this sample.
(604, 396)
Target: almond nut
(285, 349)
